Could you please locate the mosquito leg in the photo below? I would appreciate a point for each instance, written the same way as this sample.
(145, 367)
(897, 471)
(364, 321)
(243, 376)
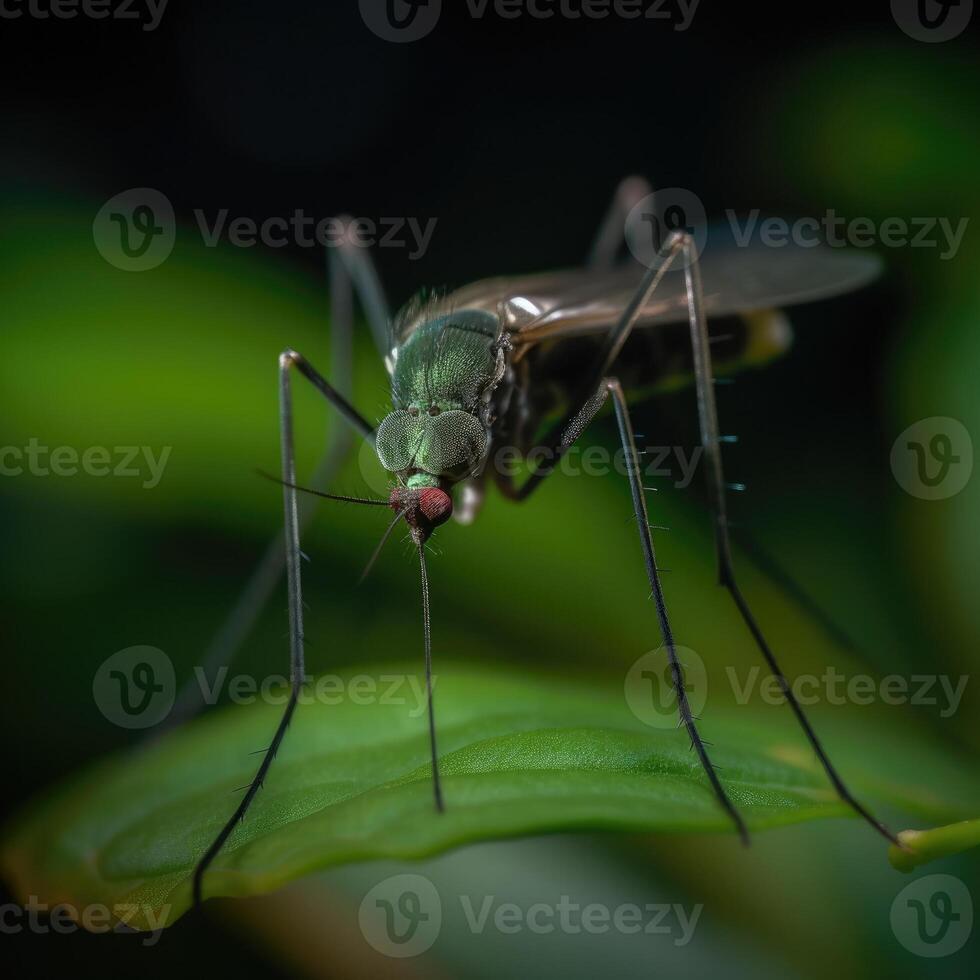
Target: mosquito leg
(288, 360)
(609, 238)
(784, 580)
(628, 440)
(708, 420)
(576, 425)
(630, 192)
(240, 621)
(558, 439)
(360, 269)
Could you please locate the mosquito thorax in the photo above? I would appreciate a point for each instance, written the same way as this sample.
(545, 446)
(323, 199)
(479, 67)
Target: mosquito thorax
(424, 508)
(443, 375)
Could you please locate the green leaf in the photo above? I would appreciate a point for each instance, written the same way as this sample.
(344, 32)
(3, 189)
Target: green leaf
(519, 755)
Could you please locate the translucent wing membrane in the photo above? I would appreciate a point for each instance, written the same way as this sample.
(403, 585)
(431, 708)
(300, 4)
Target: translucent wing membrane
(737, 279)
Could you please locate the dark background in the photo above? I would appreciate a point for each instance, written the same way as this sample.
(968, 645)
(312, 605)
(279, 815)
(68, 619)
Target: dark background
(514, 135)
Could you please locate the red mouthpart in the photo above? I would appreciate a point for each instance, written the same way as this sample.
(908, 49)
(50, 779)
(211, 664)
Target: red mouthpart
(436, 505)
(425, 509)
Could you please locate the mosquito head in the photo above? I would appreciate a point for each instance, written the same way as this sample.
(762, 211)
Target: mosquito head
(442, 378)
(424, 509)
(440, 441)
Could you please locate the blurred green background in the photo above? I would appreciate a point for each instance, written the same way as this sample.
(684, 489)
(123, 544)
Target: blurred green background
(513, 136)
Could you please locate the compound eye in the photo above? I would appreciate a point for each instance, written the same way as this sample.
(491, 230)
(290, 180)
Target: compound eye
(446, 444)
(398, 438)
(455, 440)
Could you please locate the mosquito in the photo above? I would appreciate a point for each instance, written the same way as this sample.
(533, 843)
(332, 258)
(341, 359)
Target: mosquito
(490, 364)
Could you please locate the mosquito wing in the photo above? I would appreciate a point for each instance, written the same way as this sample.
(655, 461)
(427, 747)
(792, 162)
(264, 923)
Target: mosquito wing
(736, 279)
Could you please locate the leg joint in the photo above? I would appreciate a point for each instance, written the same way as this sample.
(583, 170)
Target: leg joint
(679, 239)
(288, 358)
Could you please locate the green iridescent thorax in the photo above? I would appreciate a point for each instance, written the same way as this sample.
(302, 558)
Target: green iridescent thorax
(446, 362)
(441, 374)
